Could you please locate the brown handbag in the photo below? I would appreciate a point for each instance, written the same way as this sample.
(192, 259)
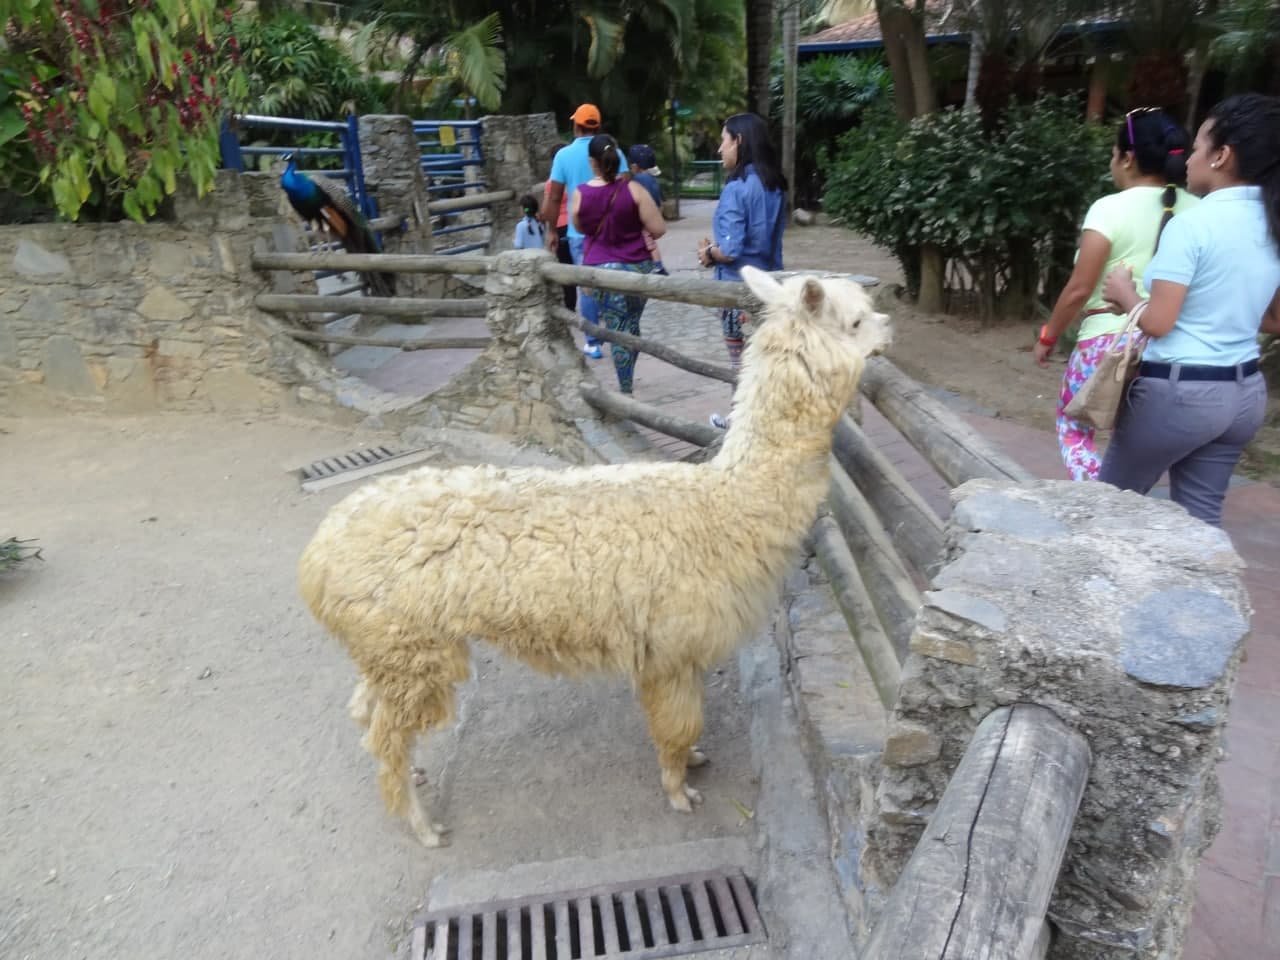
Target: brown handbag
(1097, 402)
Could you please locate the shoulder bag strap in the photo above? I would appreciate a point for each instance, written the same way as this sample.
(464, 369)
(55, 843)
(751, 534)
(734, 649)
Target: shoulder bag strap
(603, 217)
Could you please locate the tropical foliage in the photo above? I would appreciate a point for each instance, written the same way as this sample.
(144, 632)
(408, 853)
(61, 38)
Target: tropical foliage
(1003, 208)
(832, 93)
(117, 98)
(292, 71)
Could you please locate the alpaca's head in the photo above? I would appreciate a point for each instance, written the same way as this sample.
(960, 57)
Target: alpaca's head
(802, 366)
(834, 306)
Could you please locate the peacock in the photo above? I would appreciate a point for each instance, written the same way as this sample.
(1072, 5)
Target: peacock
(325, 205)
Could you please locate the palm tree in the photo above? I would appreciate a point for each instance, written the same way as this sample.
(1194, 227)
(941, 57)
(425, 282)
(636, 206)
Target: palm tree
(1162, 32)
(759, 15)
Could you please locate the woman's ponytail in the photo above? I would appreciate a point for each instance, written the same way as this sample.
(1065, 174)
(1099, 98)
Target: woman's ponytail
(1175, 145)
(603, 149)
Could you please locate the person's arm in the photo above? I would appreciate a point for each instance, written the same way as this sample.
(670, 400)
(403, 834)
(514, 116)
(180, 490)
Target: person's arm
(650, 215)
(1092, 257)
(574, 203)
(730, 225)
(1271, 319)
(1162, 309)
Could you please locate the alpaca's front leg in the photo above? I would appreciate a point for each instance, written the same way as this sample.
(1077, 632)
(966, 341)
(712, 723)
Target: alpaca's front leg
(360, 706)
(673, 704)
(391, 741)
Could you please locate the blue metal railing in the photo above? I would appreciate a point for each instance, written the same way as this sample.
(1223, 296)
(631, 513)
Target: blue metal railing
(346, 149)
(445, 159)
(446, 163)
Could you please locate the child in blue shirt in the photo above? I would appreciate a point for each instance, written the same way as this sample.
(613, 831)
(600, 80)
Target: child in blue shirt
(530, 233)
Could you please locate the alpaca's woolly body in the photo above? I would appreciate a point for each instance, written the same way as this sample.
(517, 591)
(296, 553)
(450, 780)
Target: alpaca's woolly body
(655, 571)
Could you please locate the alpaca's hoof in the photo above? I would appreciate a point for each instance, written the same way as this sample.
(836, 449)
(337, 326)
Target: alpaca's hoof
(686, 800)
(696, 759)
(436, 836)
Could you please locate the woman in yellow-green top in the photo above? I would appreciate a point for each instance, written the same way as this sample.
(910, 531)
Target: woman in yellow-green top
(1148, 164)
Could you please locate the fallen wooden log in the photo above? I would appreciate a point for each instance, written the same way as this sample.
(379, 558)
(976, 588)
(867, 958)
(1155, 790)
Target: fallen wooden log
(979, 881)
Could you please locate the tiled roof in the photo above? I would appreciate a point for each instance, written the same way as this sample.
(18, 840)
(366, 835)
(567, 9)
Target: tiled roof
(867, 27)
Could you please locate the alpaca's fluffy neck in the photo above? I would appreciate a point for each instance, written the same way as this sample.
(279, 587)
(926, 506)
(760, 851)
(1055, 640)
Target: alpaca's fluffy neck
(770, 450)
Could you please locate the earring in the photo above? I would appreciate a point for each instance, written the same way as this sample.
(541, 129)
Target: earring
(1215, 165)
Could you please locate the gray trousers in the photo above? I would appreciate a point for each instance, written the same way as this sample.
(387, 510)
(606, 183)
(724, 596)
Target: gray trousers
(1195, 429)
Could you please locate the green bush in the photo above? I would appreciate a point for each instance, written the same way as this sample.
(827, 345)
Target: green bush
(1004, 209)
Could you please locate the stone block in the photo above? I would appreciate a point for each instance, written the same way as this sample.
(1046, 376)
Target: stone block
(179, 348)
(33, 260)
(161, 304)
(1126, 618)
(910, 744)
(64, 368)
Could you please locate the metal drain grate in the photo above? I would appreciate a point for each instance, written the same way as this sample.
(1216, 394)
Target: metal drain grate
(666, 917)
(358, 463)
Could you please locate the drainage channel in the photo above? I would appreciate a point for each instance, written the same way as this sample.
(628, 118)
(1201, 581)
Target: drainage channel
(643, 920)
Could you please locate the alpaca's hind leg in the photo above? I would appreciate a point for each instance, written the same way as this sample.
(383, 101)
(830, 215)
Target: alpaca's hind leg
(673, 704)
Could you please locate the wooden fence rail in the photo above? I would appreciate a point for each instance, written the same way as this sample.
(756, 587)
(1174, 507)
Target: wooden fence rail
(652, 347)
(377, 262)
(953, 447)
(979, 881)
(374, 306)
(704, 293)
(399, 343)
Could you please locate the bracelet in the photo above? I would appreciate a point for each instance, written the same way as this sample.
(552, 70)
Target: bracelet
(1045, 339)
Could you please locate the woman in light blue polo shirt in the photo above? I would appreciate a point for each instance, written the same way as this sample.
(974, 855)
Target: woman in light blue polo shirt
(1215, 280)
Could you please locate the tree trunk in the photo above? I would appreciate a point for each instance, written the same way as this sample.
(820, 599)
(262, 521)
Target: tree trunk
(759, 47)
(790, 35)
(932, 279)
(903, 36)
(975, 67)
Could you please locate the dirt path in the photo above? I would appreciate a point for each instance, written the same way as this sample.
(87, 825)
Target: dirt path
(180, 778)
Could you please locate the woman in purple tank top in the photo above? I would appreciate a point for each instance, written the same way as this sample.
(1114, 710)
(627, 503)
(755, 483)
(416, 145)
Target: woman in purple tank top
(613, 214)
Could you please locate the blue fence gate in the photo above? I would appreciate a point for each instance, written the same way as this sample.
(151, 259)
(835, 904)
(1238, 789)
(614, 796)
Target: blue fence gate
(451, 152)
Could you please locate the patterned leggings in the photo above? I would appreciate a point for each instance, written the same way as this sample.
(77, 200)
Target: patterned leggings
(731, 321)
(621, 311)
(1076, 439)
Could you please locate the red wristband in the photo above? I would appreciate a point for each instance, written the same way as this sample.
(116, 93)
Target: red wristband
(1045, 339)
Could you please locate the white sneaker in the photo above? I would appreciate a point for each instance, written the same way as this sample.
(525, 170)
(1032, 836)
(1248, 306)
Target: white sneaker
(718, 421)
(592, 350)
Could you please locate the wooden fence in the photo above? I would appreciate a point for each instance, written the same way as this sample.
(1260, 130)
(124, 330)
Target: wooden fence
(877, 541)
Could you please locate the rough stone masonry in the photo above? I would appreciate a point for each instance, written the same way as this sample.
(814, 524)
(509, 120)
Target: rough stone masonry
(1126, 618)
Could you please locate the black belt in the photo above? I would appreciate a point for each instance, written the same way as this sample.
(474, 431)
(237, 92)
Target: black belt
(1164, 371)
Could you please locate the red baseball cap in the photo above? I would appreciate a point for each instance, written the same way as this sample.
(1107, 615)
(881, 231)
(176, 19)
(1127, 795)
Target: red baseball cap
(587, 115)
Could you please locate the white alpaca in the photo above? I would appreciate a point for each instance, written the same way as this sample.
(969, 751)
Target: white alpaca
(685, 561)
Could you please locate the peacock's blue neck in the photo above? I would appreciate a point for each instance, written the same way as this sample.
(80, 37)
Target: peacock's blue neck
(296, 183)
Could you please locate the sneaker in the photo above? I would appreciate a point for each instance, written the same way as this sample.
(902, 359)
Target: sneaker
(718, 421)
(592, 350)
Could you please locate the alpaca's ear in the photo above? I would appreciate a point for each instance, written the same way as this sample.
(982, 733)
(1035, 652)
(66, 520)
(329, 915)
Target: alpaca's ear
(766, 289)
(812, 294)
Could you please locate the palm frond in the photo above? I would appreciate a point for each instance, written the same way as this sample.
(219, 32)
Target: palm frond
(476, 54)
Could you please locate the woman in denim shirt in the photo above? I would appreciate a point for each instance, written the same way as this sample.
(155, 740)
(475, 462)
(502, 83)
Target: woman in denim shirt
(750, 216)
(1215, 280)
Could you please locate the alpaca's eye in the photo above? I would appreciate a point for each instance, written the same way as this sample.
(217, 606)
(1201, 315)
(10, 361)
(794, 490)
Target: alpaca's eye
(857, 323)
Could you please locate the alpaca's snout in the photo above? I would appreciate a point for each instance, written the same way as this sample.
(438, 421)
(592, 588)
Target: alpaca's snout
(874, 335)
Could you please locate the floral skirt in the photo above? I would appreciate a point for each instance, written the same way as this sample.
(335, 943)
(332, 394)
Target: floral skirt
(621, 311)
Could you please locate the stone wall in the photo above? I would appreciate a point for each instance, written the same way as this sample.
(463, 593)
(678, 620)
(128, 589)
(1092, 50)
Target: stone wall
(517, 156)
(393, 176)
(1126, 618)
(130, 317)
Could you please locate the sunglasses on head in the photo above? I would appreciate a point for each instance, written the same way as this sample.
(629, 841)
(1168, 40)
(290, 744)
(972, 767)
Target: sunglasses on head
(1128, 120)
